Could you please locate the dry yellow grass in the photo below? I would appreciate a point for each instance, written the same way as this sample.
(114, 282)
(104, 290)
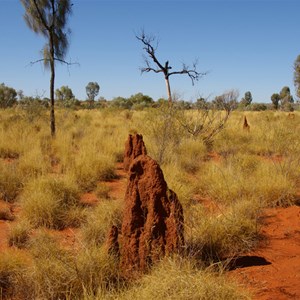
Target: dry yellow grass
(247, 171)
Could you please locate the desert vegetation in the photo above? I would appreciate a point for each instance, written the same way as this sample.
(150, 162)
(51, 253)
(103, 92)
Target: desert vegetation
(55, 248)
(80, 218)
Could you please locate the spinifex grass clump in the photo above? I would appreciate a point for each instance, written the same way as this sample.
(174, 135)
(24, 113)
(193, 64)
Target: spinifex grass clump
(13, 279)
(11, 181)
(60, 274)
(180, 279)
(245, 176)
(228, 232)
(106, 214)
(33, 163)
(192, 152)
(89, 168)
(53, 273)
(49, 202)
(19, 234)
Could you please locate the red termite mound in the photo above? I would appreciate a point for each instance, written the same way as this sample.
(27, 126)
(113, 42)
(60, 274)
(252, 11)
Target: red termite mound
(133, 148)
(153, 218)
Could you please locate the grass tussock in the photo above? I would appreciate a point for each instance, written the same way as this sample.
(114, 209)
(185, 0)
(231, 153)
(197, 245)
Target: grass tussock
(229, 232)
(177, 278)
(107, 214)
(19, 234)
(11, 181)
(51, 202)
(13, 281)
(59, 274)
(90, 168)
(53, 271)
(239, 176)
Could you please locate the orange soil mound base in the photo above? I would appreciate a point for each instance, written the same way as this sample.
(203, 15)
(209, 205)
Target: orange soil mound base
(273, 270)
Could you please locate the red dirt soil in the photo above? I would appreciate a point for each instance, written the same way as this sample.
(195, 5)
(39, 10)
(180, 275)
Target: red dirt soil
(273, 269)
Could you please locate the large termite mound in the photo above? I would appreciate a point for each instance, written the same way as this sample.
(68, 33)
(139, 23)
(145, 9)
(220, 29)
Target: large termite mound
(153, 218)
(133, 148)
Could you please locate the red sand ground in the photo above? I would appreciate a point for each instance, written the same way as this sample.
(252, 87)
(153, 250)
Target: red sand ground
(271, 272)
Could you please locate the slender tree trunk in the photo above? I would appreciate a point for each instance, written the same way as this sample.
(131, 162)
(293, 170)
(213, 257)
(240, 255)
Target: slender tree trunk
(52, 79)
(168, 90)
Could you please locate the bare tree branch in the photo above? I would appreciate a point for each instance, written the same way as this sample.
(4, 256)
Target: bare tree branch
(148, 41)
(55, 59)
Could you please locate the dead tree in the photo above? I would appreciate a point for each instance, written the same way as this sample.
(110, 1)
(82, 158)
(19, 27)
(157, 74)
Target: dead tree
(164, 68)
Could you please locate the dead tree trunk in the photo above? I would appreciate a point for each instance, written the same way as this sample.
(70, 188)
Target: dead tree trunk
(168, 91)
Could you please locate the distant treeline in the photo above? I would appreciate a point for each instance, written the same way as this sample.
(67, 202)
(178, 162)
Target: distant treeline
(9, 97)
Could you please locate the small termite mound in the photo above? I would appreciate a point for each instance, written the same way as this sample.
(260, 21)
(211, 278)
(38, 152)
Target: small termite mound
(246, 125)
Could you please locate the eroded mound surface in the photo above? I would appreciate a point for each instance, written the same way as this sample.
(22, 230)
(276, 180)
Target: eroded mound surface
(153, 217)
(133, 148)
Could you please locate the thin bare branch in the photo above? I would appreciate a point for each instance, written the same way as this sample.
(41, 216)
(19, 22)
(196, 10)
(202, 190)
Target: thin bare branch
(55, 59)
(148, 69)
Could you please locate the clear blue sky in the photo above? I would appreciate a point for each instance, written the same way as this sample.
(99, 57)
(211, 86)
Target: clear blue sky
(245, 45)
